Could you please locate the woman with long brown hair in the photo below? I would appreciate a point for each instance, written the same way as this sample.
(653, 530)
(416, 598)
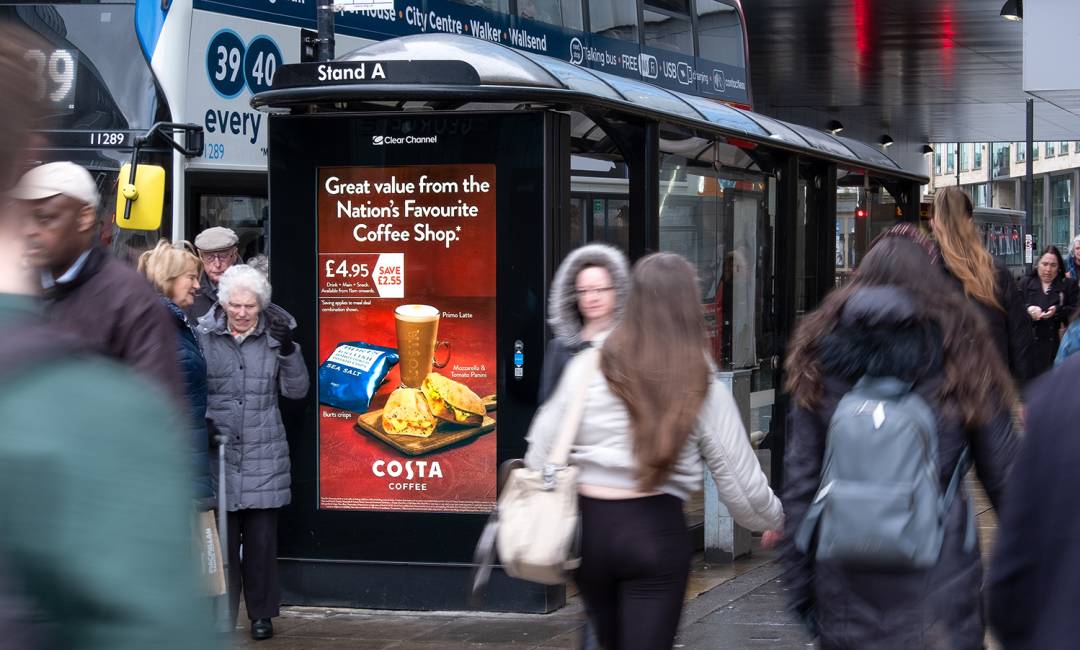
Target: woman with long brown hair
(654, 411)
(985, 281)
(898, 318)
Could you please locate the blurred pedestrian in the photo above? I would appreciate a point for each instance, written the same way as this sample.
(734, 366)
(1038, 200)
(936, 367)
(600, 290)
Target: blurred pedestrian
(1071, 261)
(251, 361)
(88, 292)
(587, 298)
(217, 250)
(985, 280)
(1050, 299)
(174, 272)
(654, 411)
(897, 328)
(95, 538)
(1034, 583)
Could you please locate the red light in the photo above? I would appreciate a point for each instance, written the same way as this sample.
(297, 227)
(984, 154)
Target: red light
(860, 213)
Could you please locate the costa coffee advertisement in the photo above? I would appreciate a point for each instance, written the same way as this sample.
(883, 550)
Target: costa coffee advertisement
(407, 379)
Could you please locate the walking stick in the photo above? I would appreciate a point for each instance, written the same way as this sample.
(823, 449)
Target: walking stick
(225, 619)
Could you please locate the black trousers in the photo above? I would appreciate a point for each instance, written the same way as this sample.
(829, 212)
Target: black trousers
(635, 561)
(257, 574)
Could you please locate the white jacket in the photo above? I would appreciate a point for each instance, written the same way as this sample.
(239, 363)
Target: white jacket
(603, 448)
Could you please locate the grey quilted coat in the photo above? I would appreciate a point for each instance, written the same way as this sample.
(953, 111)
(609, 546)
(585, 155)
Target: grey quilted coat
(245, 381)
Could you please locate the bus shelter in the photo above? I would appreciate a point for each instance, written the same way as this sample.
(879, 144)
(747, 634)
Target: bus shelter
(422, 193)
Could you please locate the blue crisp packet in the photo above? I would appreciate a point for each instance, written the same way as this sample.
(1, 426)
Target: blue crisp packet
(350, 376)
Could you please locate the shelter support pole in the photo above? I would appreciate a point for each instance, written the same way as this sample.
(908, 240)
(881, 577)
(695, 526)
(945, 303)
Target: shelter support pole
(787, 221)
(325, 24)
(639, 144)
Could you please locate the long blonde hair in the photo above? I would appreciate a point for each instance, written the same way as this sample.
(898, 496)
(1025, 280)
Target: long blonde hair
(164, 263)
(961, 247)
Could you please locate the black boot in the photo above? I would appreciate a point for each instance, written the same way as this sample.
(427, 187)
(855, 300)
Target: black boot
(262, 629)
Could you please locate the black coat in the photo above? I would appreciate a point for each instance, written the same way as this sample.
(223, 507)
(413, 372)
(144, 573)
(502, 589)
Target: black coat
(193, 371)
(856, 609)
(1010, 326)
(1047, 333)
(1034, 580)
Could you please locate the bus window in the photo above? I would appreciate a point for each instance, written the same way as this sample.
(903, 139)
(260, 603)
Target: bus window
(247, 216)
(561, 13)
(614, 19)
(720, 36)
(500, 6)
(668, 31)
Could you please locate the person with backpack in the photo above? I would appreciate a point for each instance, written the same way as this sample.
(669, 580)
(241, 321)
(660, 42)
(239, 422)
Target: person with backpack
(984, 280)
(653, 411)
(894, 384)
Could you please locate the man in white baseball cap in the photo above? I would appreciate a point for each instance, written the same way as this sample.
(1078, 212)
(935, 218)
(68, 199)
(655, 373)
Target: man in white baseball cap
(217, 250)
(87, 291)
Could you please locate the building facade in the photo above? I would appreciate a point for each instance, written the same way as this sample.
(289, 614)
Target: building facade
(993, 175)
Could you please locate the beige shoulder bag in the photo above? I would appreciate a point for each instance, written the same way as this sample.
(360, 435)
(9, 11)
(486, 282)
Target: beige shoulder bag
(535, 526)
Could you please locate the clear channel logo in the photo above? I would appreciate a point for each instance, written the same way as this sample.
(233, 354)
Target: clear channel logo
(381, 140)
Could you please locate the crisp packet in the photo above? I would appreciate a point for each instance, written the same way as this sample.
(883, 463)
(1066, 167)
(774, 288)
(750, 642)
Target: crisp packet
(352, 373)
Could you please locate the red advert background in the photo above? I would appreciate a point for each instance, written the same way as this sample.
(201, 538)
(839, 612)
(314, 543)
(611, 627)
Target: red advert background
(459, 280)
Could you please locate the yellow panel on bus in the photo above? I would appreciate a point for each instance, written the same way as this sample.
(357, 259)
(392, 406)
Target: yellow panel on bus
(147, 197)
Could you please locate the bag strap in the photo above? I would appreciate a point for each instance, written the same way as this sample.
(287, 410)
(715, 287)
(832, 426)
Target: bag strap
(571, 420)
(961, 470)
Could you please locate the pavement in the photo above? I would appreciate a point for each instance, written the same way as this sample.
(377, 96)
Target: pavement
(735, 606)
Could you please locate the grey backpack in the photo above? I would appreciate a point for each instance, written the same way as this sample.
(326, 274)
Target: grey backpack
(880, 503)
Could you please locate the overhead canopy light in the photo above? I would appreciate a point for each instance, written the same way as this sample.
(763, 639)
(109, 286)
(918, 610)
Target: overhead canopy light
(834, 127)
(885, 141)
(1013, 10)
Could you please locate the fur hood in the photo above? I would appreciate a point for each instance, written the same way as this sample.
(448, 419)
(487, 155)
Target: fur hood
(563, 315)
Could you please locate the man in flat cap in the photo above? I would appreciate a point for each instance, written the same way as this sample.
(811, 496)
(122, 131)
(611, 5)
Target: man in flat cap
(88, 292)
(217, 250)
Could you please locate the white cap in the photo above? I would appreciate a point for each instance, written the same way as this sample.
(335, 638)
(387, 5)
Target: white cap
(51, 179)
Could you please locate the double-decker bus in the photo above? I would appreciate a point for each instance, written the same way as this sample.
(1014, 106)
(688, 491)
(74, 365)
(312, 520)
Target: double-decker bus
(110, 70)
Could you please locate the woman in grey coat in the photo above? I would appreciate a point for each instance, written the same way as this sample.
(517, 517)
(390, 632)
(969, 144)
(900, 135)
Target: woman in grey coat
(586, 301)
(252, 360)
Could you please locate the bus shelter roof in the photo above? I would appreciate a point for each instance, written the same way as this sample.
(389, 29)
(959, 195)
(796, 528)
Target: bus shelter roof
(505, 75)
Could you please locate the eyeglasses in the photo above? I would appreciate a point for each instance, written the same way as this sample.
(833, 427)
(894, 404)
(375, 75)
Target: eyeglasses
(218, 256)
(581, 293)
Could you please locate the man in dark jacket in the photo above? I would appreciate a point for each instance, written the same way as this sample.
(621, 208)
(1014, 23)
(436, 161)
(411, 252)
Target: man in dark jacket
(217, 250)
(1035, 574)
(87, 292)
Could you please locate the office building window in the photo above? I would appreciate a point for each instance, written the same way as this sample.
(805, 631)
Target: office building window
(965, 157)
(1050, 150)
(1063, 148)
(1021, 151)
(978, 156)
(950, 160)
(1035, 151)
(937, 162)
(1060, 210)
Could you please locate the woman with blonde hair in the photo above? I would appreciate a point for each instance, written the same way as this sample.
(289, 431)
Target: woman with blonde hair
(174, 272)
(985, 281)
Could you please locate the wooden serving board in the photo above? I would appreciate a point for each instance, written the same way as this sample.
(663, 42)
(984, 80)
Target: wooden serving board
(445, 434)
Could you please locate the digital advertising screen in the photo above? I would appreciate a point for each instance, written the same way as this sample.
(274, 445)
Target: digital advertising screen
(406, 280)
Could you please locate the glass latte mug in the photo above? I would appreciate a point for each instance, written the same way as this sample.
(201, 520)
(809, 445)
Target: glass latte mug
(417, 337)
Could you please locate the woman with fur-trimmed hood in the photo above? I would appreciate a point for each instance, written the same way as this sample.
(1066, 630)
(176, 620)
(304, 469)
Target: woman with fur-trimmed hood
(586, 301)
